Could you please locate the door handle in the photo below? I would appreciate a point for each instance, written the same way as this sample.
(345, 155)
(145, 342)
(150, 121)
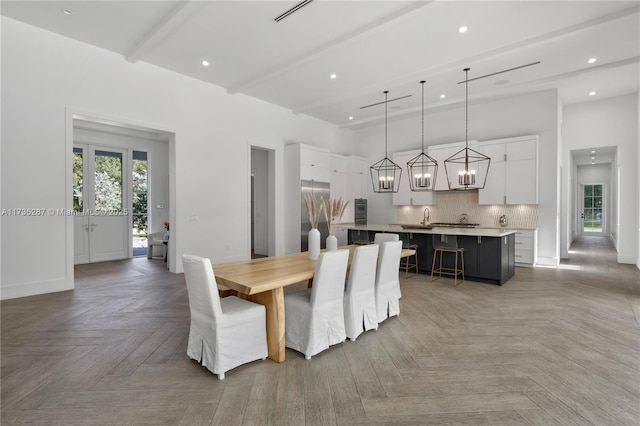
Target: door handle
(582, 215)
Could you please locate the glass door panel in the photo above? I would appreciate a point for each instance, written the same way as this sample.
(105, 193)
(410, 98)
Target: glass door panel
(592, 208)
(140, 208)
(80, 220)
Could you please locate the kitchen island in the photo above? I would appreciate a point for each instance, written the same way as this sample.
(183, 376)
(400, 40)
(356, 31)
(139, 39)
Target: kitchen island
(489, 253)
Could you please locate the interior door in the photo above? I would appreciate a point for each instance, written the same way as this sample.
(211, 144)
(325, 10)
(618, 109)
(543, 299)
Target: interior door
(592, 215)
(101, 219)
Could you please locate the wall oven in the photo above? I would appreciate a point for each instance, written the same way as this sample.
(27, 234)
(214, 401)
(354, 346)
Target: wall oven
(360, 211)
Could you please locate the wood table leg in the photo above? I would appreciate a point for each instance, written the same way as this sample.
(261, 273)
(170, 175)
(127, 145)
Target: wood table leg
(273, 301)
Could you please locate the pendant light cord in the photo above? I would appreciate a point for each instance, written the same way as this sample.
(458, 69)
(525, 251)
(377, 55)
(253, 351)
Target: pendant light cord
(466, 110)
(466, 120)
(422, 83)
(386, 103)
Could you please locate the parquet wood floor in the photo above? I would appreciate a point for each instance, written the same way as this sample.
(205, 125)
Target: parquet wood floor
(551, 347)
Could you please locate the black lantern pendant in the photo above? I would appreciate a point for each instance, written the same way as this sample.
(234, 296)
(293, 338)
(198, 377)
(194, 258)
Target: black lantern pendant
(422, 169)
(385, 174)
(467, 168)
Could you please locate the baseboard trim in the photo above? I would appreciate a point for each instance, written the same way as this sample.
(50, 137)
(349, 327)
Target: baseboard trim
(14, 291)
(547, 261)
(630, 260)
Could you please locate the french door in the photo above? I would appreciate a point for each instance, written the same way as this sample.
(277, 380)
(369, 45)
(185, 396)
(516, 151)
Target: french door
(593, 209)
(100, 193)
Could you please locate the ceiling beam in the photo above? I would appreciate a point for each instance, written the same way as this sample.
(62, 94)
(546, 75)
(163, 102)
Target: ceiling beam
(506, 92)
(261, 76)
(173, 20)
(469, 61)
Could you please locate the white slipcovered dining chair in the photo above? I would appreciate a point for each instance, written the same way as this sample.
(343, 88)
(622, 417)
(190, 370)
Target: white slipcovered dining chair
(388, 280)
(383, 237)
(360, 297)
(314, 318)
(224, 333)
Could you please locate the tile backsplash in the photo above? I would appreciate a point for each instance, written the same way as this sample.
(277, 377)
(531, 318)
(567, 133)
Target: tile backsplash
(451, 205)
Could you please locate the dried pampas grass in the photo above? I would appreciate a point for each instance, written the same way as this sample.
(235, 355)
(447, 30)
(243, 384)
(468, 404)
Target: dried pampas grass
(312, 210)
(333, 211)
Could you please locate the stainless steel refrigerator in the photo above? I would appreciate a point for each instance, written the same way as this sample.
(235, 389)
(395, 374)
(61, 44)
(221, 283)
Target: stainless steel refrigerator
(317, 190)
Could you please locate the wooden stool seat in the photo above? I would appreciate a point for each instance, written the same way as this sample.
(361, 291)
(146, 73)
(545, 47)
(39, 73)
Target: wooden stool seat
(409, 251)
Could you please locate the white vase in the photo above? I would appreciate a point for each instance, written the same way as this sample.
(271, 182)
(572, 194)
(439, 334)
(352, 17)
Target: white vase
(314, 244)
(332, 243)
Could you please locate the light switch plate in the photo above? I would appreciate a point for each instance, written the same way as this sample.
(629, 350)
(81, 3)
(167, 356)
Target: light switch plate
(159, 206)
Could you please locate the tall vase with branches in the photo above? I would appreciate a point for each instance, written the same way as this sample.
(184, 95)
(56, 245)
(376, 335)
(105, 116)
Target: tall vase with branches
(333, 210)
(314, 235)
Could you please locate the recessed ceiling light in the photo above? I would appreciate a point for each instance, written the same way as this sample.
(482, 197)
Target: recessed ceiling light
(592, 60)
(593, 162)
(67, 11)
(593, 158)
(443, 96)
(205, 63)
(333, 76)
(593, 151)
(592, 93)
(463, 29)
(350, 118)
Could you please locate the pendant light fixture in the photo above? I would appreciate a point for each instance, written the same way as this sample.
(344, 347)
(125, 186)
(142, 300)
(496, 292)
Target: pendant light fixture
(422, 169)
(467, 168)
(385, 174)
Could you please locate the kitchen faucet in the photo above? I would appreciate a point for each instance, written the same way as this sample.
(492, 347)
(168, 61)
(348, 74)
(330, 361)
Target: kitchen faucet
(425, 216)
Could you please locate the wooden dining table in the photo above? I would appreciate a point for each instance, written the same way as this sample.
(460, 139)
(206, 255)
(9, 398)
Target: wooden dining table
(263, 280)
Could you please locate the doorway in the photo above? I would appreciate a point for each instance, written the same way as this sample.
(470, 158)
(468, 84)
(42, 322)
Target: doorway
(592, 209)
(114, 161)
(100, 190)
(262, 202)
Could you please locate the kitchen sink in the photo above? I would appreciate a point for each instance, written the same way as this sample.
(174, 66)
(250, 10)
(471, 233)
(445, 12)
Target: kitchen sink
(405, 226)
(454, 225)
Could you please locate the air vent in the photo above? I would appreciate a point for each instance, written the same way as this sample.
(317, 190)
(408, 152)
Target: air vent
(294, 9)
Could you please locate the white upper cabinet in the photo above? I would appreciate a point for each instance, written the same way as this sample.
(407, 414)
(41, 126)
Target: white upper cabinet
(338, 177)
(314, 163)
(358, 177)
(513, 174)
(404, 196)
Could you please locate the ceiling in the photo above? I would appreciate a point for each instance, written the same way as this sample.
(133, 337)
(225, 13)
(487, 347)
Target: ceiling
(371, 46)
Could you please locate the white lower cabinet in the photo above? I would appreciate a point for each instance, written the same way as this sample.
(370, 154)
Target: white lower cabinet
(526, 247)
(342, 236)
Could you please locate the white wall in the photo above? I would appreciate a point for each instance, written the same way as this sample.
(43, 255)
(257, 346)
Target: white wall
(44, 75)
(523, 115)
(611, 122)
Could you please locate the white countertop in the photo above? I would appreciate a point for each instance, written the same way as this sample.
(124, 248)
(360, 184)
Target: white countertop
(482, 232)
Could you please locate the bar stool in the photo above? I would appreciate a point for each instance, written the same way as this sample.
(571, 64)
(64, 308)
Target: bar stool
(406, 262)
(447, 244)
(409, 251)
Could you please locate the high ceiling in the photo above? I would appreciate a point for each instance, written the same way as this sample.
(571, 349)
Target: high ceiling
(370, 46)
